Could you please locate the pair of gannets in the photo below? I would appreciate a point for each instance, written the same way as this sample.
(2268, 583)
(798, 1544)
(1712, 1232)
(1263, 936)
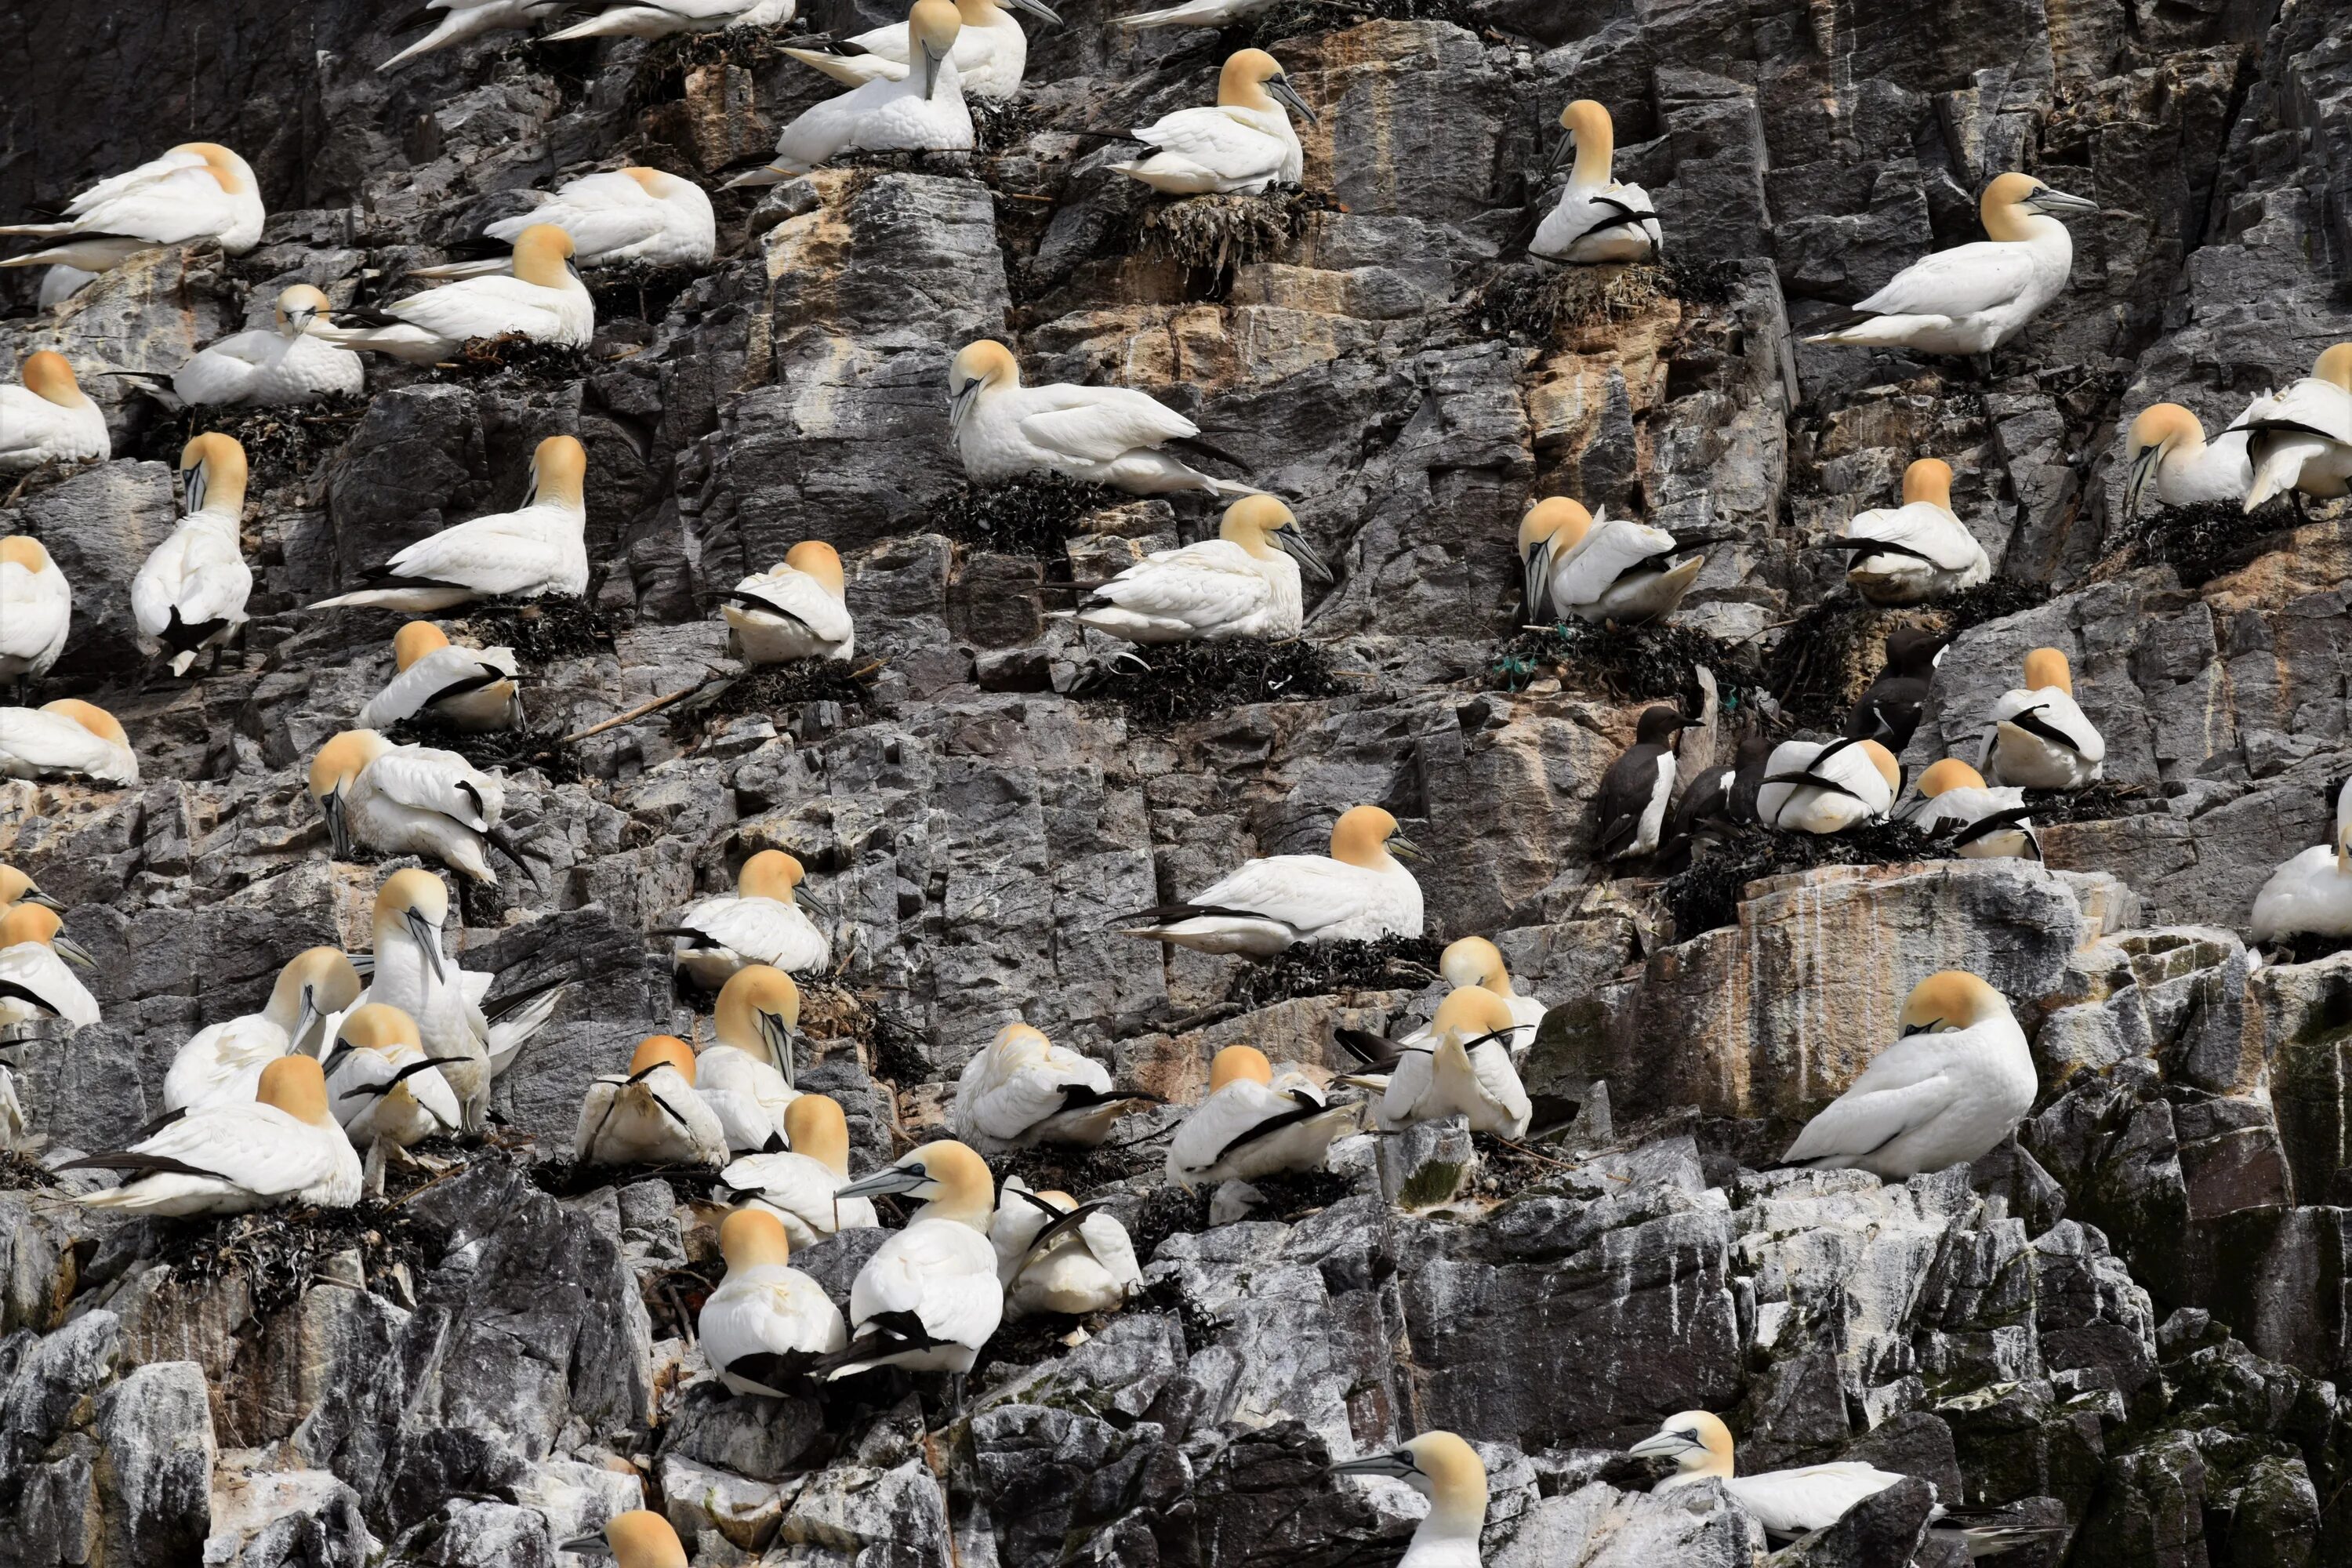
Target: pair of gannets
(66, 739)
(1598, 569)
(1977, 821)
(922, 110)
(407, 800)
(990, 52)
(540, 549)
(282, 1146)
(1636, 789)
(1460, 1066)
(1096, 435)
(1242, 583)
(34, 983)
(1918, 551)
(2313, 892)
(2037, 736)
(470, 688)
(1596, 218)
(767, 1326)
(1889, 709)
(1243, 145)
(677, 1106)
(1022, 1090)
(801, 1185)
(268, 367)
(537, 297)
(190, 592)
(36, 610)
(2300, 439)
(1446, 1470)
(1057, 1254)
(384, 1088)
(2167, 449)
(198, 189)
(759, 922)
(627, 214)
(797, 608)
(930, 1297)
(1252, 1123)
(1827, 786)
(224, 1061)
(1361, 893)
(49, 418)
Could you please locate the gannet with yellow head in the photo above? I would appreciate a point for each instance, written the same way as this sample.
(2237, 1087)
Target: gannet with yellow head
(928, 1297)
(1596, 219)
(224, 1061)
(747, 1076)
(539, 550)
(765, 1326)
(2300, 439)
(198, 189)
(1252, 1123)
(266, 367)
(1976, 820)
(282, 1146)
(539, 297)
(34, 983)
(1361, 893)
(1022, 1090)
(991, 52)
(650, 1114)
(2313, 892)
(1605, 569)
(1057, 1254)
(640, 1538)
(382, 1088)
(1816, 786)
(18, 887)
(407, 800)
(1463, 1068)
(1242, 146)
(923, 111)
(1918, 551)
(190, 594)
(1096, 435)
(66, 739)
(2037, 735)
(1242, 583)
(627, 215)
(36, 610)
(48, 418)
(802, 1186)
(761, 921)
(1446, 1470)
(2166, 448)
(795, 609)
(473, 688)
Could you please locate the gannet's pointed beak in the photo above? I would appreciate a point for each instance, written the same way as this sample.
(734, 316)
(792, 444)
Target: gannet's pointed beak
(339, 833)
(887, 1180)
(1294, 543)
(818, 901)
(304, 1018)
(1397, 1463)
(1659, 1444)
(2058, 204)
(428, 937)
(46, 902)
(73, 951)
(930, 62)
(1404, 848)
(961, 409)
(2142, 469)
(778, 1037)
(593, 1545)
(1280, 87)
(1562, 151)
(768, 175)
(1039, 8)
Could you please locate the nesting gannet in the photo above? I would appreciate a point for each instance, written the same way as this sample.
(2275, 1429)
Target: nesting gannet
(1099, 435)
(1446, 1470)
(468, 688)
(224, 1061)
(1972, 299)
(1475, 961)
(1361, 893)
(1242, 583)
(757, 1019)
(1599, 568)
(660, 21)
(1596, 218)
(1918, 551)
(529, 553)
(1956, 1083)
(1242, 146)
(1057, 1254)
(539, 297)
(268, 367)
(1637, 786)
(1982, 822)
(650, 1115)
(991, 52)
(928, 1297)
(2167, 449)
(34, 980)
(1197, 13)
(382, 1086)
(1022, 1089)
(629, 214)
(1253, 1124)
(765, 1326)
(923, 112)
(1888, 711)
(1465, 1067)
(282, 1146)
(36, 610)
(49, 418)
(464, 19)
(18, 888)
(2300, 439)
(1814, 786)
(63, 738)
(639, 1539)
(2311, 893)
(407, 800)
(759, 922)
(190, 594)
(795, 609)
(2037, 736)
(803, 1185)
(198, 189)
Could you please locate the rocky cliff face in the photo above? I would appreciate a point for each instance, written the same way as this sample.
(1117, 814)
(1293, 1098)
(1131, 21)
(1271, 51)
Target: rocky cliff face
(2136, 1320)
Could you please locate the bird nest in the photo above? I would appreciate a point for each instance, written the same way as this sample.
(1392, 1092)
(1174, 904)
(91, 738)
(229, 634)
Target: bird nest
(1540, 301)
(771, 688)
(1828, 658)
(894, 1049)
(2307, 947)
(1336, 968)
(510, 749)
(636, 289)
(669, 61)
(2102, 802)
(20, 1173)
(1707, 895)
(565, 1178)
(1216, 234)
(1701, 282)
(2199, 542)
(1629, 664)
(998, 127)
(279, 1253)
(541, 631)
(513, 357)
(1168, 685)
(1025, 517)
(282, 445)
(1297, 18)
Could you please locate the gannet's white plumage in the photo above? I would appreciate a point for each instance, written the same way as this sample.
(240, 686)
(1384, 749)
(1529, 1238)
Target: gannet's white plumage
(1918, 551)
(466, 19)
(802, 1186)
(284, 1146)
(759, 922)
(991, 52)
(272, 367)
(678, 17)
(650, 1114)
(1596, 219)
(2301, 438)
(1252, 1123)
(382, 1086)
(1463, 1068)
(630, 214)
(61, 283)
(411, 973)
(928, 1297)
(1785, 1502)
(1360, 893)
(1098, 434)
(1978, 821)
(1958, 1081)
(1599, 568)
(1475, 961)
(1022, 1089)
(1242, 583)
(2167, 449)
(2313, 892)
(539, 297)
(540, 549)
(795, 609)
(224, 1061)
(2037, 736)
(1196, 14)
(36, 609)
(190, 592)
(407, 800)
(469, 687)
(1449, 1473)
(1084, 1264)
(747, 1075)
(764, 1327)
(66, 739)
(34, 983)
(1243, 145)
(48, 418)
(1972, 299)
(198, 189)
(1815, 786)
(923, 111)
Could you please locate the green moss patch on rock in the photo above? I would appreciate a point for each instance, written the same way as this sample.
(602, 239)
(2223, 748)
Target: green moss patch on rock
(1706, 895)
(1169, 684)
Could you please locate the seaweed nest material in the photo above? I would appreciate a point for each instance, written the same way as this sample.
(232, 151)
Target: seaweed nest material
(278, 1252)
(1835, 649)
(20, 1173)
(1337, 968)
(637, 289)
(1707, 895)
(575, 1178)
(282, 445)
(1629, 664)
(541, 631)
(1538, 301)
(1218, 232)
(998, 127)
(1026, 517)
(772, 689)
(2201, 542)
(2102, 802)
(510, 749)
(510, 357)
(894, 1050)
(667, 61)
(1174, 682)
(1696, 283)
(1293, 19)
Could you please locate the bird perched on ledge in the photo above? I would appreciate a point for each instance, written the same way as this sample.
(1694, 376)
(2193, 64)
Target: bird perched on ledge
(1096, 435)
(540, 550)
(1361, 893)
(1243, 145)
(991, 54)
(1596, 219)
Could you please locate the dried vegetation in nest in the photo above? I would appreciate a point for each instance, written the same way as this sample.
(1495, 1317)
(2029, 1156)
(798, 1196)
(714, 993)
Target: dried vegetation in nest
(1168, 685)
(1337, 968)
(1832, 653)
(1629, 664)
(1216, 234)
(1707, 895)
(2199, 542)
(279, 1252)
(20, 1173)
(1538, 301)
(282, 445)
(512, 359)
(1025, 517)
(667, 61)
(541, 631)
(998, 127)
(509, 750)
(565, 1178)
(2308, 947)
(772, 689)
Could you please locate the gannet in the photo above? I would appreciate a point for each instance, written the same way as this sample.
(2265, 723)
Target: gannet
(746, 1126)
(34, 980)
(928, 1297)
(1814, 786)
(18, 888)
(198, 189)
(1475, 961)
(36, 610)
(1599, 568)
(803, 1187)
(639, 1539)
(991, 52)
(1021, 1091)
(2300, 439)
(466, 19)
(795, 609)
(1918, 551)
(407, 800)
(529, 553)
(468, 688)
(759, 922)
(1098, 434)
(1888, 711)
(1637, 786)
(1360, 894)
(282, 1146)
(382, 1086)
(1197, 13)
(190, 595)
(1252, 1124)
(49, 418)
(757, 1019)
(1242, 146)
(1463, 1067)
(1956, 1083)
(1446, 1470)
(2311, 892)
(1056, 1255)
(61, 283)
(65, 738)
(627, 214)
(2037, 736)
(539, 297)
(924, 111)
(1972, 299)
(266, 367)
(1976, 821)
(1596, 218)
(765, 1326)
(652, 21)
(224, 1061)
(1242, 583)
(2168, 449)
(650, 1115)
